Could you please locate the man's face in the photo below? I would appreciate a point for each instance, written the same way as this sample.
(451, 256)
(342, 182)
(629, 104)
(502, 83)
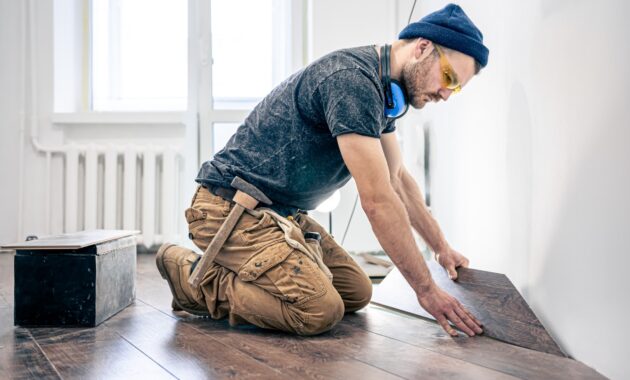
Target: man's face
(423, 75)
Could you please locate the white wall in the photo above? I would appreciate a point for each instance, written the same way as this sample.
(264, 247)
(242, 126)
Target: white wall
(530, 174)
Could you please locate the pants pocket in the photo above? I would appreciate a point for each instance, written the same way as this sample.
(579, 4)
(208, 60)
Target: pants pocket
(285, 273)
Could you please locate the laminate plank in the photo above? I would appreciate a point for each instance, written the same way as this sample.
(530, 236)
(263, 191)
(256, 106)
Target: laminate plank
(99, 352)
(292, 355)
(183, 350)
(491, 297)
(513, 360)
(286, 353)
(403, 359)
(297, 355)
(20, 356)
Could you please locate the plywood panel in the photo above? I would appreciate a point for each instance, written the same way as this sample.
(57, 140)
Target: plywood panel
(73, 240)
(491, 297)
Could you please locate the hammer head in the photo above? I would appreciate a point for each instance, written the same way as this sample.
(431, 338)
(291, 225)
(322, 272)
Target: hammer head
(240, 184)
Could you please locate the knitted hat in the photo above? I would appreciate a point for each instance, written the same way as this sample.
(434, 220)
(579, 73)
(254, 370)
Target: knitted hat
(451, 28)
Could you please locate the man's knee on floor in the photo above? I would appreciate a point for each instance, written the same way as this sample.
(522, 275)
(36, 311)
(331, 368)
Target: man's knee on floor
(360, 298)
(320, 314)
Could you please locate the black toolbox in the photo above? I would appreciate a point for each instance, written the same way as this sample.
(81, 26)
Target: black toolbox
(75, 279)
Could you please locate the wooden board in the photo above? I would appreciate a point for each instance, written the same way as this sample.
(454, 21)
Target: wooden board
(491, 297)
(75, 240)
(367, 263)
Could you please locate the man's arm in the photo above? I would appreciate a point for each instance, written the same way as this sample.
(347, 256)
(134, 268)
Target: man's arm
(366, 161)
(419, 215)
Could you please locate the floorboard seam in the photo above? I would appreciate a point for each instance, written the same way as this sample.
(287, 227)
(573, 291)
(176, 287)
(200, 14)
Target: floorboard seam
(439, 353)
(372, 365)
(39, 347)
(210, 336)
(143, 353)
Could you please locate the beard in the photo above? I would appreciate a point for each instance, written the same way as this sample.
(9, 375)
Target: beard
(415, 78)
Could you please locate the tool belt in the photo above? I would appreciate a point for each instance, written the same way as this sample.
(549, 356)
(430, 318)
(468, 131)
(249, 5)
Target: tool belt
(228, 195)
(223, 192)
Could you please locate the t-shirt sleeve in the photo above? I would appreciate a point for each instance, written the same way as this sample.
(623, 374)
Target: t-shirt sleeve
(391, 126)
(351, 103)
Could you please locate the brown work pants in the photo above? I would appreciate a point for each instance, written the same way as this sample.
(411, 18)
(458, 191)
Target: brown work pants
(267, 274)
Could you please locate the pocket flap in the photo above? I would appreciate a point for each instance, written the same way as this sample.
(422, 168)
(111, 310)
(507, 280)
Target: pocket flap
(262, 262)
(193, 215)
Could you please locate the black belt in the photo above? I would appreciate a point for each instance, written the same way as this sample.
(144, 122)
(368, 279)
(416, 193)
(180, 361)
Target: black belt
(223, 192)
(228, 195)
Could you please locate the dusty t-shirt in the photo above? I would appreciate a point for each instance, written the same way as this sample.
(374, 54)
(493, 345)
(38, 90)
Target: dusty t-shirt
(287, 145)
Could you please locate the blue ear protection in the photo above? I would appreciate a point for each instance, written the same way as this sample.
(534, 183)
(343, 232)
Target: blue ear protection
(395, 96)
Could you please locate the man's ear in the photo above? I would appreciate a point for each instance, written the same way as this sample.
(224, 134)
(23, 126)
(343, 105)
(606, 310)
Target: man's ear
(423, 48)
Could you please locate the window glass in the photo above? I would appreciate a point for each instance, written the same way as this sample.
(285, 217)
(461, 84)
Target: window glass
(139, 55)
(242, 49)
(221, 134)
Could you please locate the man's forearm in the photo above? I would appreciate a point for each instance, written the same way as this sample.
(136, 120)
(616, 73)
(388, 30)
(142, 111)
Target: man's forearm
(390, 223)
(419, 215)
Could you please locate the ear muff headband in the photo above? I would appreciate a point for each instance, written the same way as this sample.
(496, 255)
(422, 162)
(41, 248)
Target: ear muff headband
(394, 93)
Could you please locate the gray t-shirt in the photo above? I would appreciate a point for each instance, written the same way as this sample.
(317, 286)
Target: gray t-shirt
(287, 145)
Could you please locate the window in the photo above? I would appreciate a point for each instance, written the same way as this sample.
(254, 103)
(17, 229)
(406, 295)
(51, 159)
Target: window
(207, 61)
(249, 49)
(222, 133)
(139, 52)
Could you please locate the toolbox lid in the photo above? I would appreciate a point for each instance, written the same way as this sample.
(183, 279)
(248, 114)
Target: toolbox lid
(71, 241)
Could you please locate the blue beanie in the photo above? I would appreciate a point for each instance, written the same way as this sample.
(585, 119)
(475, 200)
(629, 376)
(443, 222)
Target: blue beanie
(451, 28)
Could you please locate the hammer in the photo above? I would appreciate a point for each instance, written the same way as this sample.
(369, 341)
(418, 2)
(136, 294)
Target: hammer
(247, 197)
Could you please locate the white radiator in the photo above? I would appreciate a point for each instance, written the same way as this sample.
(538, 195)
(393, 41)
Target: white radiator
(122, 187)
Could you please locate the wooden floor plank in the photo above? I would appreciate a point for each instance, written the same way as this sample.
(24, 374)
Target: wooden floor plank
(359, 354)
(293, 355)
(149, 340)
(290, 354)
(20, 356)
(183, 350)
(97, 352)
(403, 359)
(491, 297)
(509, 359)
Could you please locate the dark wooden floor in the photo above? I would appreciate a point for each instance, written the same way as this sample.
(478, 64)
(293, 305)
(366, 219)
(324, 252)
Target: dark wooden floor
(149, 340)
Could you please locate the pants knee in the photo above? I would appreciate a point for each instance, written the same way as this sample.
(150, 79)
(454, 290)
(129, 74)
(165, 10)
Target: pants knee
(321, 314)
(360, 296)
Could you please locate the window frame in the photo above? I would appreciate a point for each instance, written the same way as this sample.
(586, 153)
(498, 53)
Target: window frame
(75, 106)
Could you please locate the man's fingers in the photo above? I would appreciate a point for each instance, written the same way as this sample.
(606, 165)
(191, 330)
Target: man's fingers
(478, 322)
(452, 273)
(465, 263)
(457, 321)
(468, 320)
(444, 323)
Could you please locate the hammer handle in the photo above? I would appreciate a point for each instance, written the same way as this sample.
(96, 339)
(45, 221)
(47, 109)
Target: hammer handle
(215, 245)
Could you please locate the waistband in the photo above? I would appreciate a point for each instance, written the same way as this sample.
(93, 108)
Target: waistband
(228, 195)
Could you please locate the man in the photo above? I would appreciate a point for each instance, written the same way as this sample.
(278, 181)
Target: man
(280, 269)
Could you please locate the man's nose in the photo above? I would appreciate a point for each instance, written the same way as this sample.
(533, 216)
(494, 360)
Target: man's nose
(445, 93)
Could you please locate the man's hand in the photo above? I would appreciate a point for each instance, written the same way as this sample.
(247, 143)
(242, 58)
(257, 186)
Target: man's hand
(450, 260)
(445, 308)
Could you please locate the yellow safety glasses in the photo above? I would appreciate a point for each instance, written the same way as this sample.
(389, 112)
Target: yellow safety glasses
(449, 77)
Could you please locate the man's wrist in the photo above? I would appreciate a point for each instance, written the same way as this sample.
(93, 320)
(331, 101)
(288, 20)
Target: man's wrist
(441, 247)
(425, 287)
